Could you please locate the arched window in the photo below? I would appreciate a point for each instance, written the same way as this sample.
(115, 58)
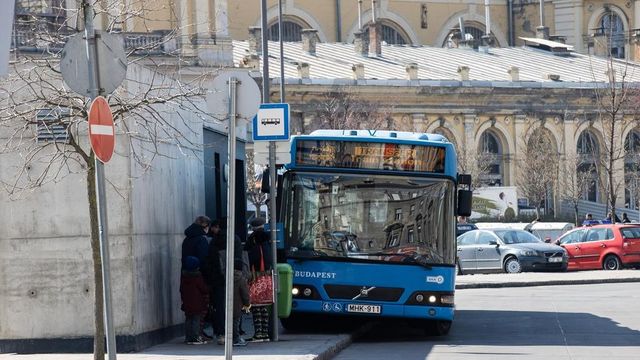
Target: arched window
(588, 149)
(612, 27)
(391, 33)
(490, 160)
(632, 170)
(472, 30)
(291, 31)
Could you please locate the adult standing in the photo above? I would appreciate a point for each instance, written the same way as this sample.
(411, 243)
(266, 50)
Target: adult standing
(259, 250)
(196, 244)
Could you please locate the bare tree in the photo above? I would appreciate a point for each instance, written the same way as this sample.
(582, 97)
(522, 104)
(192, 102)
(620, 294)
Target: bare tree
(613, 100)
(576, 179)
(538, 167)
(343, 109)
(475, 163)
(254, 183)
(43, 127)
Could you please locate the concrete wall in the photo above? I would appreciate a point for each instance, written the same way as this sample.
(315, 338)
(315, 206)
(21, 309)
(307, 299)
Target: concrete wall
(46, 279)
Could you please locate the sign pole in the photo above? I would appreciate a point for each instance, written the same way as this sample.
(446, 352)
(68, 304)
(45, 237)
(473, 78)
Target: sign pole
(272, 168)
(231, 201)
(94, 85)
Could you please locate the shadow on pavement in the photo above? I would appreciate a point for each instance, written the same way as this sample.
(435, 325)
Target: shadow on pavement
(515, 328)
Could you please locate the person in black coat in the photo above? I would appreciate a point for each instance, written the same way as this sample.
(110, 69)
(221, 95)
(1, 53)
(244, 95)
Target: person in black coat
(196, 243)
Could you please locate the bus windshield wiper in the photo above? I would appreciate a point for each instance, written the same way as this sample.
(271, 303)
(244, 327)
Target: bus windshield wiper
(413, 258)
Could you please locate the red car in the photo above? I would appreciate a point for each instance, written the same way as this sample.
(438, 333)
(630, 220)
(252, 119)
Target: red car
(609, 246)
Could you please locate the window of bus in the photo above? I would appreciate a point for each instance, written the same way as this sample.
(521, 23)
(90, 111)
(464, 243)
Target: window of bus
(369, 223)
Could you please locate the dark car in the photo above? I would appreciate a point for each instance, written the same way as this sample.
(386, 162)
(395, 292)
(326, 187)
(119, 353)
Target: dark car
(508, 250)
(464, 227)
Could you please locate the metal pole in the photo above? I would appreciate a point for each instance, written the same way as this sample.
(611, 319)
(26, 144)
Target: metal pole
(541, 12)
(94, 85)
(487, 16)
(272, 166)
(231, 201)
(373, 11)
(281, 51)
(359, 14)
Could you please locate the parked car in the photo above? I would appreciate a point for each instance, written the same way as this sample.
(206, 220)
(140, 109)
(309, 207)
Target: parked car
(464, 227)
(508, 250)
(545, 231)
(607, 246)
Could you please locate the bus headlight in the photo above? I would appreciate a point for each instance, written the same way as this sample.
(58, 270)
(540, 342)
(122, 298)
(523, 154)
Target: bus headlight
(432, 299)
(295, 291)
(419, 298)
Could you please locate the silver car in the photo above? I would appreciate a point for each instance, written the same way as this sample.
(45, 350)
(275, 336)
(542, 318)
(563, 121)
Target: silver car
(507, 250)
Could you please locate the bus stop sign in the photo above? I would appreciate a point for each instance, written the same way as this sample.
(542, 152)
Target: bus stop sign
(271, 123)
(101, 129)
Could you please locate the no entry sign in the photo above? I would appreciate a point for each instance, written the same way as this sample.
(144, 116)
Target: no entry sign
(101, 129)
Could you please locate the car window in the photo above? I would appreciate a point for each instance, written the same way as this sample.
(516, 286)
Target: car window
(572, 237)
(485, 238)
(468, 238)
(598, 235)
(630, 232)
(517, 237)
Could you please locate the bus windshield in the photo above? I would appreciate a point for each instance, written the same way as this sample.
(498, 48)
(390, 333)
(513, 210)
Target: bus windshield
(369, 217)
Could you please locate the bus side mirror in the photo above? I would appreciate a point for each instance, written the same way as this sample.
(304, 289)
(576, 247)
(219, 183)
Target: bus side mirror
(464, 196)
(265, 185)
(464, 202)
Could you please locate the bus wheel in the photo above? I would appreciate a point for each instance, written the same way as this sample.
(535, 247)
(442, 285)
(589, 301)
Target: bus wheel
(295, 322)
(438, 327)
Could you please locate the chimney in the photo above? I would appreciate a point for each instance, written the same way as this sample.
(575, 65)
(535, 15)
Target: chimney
(309, 40)
(358, 71)
(552, 77)
(464, 73)
(375, 39)
(303, 70)
(251, 61)
(514, 71)
(255, 40)
(412, 71)
(361, 43)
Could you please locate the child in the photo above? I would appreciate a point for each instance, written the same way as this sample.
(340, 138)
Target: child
(241, 301)
(195, 299)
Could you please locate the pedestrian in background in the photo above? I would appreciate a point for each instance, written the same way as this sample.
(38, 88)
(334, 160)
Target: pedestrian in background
(625, 218)
(259, 250)
(194, 294)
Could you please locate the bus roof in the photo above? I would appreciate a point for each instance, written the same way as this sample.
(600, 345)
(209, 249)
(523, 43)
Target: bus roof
(380, 134)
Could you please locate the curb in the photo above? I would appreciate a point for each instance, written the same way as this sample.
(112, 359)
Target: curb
(545, 283)
(343, 343)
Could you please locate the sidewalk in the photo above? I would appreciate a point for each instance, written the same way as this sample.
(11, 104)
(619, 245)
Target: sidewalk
(290, 347)
(547, 278)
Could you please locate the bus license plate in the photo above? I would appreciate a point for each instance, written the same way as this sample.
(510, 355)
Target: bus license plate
(364, 308)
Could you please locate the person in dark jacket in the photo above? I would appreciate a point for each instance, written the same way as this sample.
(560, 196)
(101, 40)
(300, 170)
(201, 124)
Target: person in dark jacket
(195, 243)
(259, 249)
(194, 294)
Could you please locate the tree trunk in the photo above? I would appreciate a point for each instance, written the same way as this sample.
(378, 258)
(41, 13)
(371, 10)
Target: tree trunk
(99, 336)
(575, 213)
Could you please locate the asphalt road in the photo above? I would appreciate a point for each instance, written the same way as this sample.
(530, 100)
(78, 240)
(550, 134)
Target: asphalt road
(576, 322)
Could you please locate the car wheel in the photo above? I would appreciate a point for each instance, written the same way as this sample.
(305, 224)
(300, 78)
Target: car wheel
(611, 262)
(512, 266)
(438, 327)
(459, 268)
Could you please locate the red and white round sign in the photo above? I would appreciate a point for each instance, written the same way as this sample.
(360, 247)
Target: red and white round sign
(101, 129)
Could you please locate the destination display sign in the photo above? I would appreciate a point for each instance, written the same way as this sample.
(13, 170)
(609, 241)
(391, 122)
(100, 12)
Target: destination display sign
(370, 155)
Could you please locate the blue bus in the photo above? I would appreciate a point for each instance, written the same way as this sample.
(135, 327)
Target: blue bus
(369, 228)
